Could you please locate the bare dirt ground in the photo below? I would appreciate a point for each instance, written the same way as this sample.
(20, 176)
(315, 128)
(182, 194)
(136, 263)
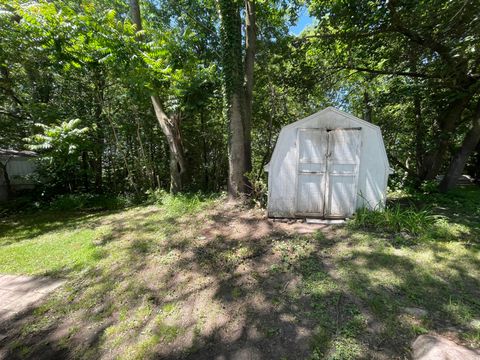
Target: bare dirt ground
(232, 303)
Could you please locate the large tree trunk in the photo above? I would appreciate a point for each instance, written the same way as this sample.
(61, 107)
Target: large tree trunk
(469, 144)
(171, 128)
(236, 144)
(233, 76)
(238, 80)
(170, 125)
(447, 122)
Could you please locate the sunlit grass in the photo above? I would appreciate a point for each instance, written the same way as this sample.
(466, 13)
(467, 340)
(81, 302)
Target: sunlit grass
(72, 249)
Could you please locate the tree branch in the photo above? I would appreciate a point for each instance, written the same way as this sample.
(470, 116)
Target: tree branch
(348, 34)
(193, 18)
(8, 113)
(426, 41)
(401, 165)
(389, 72)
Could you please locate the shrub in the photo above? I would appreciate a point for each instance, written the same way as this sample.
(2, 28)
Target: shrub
(258, 190)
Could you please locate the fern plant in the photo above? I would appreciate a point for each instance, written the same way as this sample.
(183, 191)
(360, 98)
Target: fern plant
(59, 148)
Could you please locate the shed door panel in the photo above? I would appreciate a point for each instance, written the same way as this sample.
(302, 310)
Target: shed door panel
(312, 145)
(343, 167)
(312, 166)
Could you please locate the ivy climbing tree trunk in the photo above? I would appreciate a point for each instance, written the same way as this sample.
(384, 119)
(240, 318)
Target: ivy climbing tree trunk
(238, 80)
(170, 125)
(250, 50)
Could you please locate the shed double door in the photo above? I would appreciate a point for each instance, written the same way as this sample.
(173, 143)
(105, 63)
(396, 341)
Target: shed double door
(327, 172)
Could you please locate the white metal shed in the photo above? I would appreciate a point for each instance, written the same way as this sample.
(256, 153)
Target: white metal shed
(327, 165)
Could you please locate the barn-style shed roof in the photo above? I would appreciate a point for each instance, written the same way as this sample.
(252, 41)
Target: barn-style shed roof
(17, 153)
(324, 114)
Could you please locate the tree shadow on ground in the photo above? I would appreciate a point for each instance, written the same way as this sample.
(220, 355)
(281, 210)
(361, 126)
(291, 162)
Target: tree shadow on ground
(171, 294)
(227, 283)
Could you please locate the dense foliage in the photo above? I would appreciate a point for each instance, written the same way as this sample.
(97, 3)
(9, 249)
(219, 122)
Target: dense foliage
(226, 76)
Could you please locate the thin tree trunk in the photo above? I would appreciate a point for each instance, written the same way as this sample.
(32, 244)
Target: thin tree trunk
(136, 15)
(169, 125)
(125, 160)
(204, 151)
(148, 169)
(368, 107)
(419, 134)
(85, 171)
(417, 172)
(271, 115)
(99, 133)
(457, 164)
(476, 168)
(8, 184)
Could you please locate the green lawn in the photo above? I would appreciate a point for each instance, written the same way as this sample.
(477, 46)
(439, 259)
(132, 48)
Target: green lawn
(196, 277)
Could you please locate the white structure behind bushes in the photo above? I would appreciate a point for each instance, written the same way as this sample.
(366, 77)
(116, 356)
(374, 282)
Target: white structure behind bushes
(20, 167)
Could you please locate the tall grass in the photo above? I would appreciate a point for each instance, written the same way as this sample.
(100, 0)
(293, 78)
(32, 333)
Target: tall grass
(394, 219)
(180, 204)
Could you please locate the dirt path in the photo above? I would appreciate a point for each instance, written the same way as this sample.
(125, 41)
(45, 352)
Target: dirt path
(18, 293)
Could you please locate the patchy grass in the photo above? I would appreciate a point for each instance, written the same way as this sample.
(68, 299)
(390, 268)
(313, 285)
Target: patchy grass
(195, 277)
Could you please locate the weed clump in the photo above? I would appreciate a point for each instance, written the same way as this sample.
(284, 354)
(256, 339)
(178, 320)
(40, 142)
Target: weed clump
(179, 204)
(394, 220)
